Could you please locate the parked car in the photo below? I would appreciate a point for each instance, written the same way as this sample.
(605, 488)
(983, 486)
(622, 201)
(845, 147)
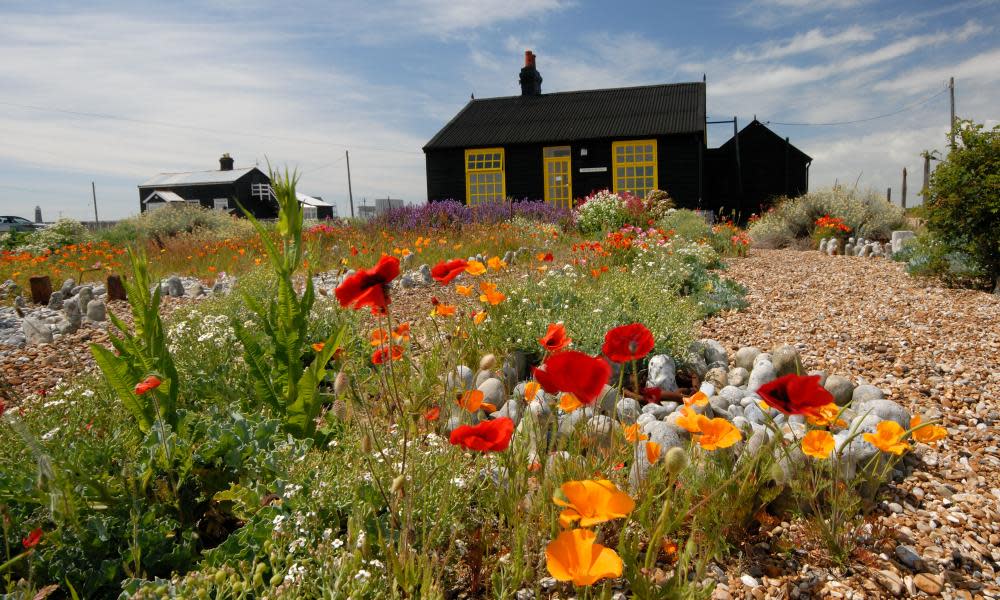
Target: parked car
(9, 223)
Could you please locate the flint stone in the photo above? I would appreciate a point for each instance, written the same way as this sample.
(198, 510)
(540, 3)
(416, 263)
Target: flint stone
(67, 287)
(885, 410)
(36, 332)
(482, 376)
(175, 287)
(822, 244)
(753, 413)
(763, 372)
(820, 374)
(745, 357)
(720, 405)
(840, 387)
(493, 392)
(97, 311)
(56, 301)
(540, 410)
(786, 361)
(658, 411)
(737, 377)
(731, 393)
(697, 363)
(666, 435)
(715, 352)
(864, 393)
(568, 423)
(84, 296)
(858, 451)
(460, 379)
(833, 247)
(662, 373)
(607, 400)
(511, 409)
(645, 418)
(899, 239)
(599, 428)
(717, 376)
(627, 410)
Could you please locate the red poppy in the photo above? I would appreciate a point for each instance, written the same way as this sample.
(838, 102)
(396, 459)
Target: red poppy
(33, 538)
(433, 413)
(367, 287)
(150, 383)
(3, 407)
(574, 372)
(795, 394)
(548, 257)
(652, 395)
(444, 272)
(628, 342)
(555, 338)
(488, 436)
(383, 354)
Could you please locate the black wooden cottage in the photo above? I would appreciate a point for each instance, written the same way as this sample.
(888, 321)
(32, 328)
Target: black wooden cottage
(753, 168)
(566, 145)
(218, 190)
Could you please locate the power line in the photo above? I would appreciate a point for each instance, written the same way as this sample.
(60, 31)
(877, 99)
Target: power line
(111, 117)
(865, 120)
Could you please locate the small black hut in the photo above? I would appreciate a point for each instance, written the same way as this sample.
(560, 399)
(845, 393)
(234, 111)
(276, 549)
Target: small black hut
(566, 145)
(218, 190)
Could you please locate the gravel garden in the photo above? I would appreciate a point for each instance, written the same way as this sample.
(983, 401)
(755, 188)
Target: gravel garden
(503, 402)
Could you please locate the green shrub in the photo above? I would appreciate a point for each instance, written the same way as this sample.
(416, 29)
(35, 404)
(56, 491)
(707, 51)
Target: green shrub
(601, 211)
(866, 213)
(964, 211)
(929, 256)
(686, 224)
(173, 221)
(61, 233)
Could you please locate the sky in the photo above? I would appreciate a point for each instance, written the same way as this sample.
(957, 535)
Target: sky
(116, 91)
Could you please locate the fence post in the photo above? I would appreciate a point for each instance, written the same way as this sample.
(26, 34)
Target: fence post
(116, 289)
(41, 289)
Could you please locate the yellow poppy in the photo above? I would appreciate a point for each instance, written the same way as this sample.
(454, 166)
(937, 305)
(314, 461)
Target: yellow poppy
(575, 556)
(490, 294)
(825, 416)
(591, 501)
(698, 399)
(380, 337)
(444, 310)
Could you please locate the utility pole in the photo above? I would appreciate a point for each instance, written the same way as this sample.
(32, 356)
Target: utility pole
(926, 191)
(350, 194)
(888, 195)
(951, 89)
(904, 189)
(93, 194)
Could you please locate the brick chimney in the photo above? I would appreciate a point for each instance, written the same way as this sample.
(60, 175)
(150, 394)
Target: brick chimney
(531, 79)
(226, 162)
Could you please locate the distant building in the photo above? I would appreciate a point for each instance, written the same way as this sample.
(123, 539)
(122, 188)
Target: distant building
(366, 212)
(384, 204)
(38, 214)
(314, 207)
(218, 190)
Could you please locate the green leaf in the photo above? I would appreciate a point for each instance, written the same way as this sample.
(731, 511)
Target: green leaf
(300, 417)
(116, 371)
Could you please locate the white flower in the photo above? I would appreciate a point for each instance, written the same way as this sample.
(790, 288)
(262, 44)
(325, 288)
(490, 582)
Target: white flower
(337, 543)
(51, 434)
(362, 574)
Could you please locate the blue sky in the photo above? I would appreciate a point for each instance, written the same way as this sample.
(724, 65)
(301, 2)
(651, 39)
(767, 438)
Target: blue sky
(297, 83)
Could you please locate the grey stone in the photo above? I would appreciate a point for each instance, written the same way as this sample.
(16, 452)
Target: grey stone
(460, 379)
(662, 373)
(822, 244)
(56, 301)
(175, 287)
(67, 287)
(737, 377)
(820, 374)
(84, 296)
(720, 405)
(858, 451)
(493, 392)
(715, 352)
(717, 376)
(644, 418)
(786, 361)
(36, 332)
(511, 409)
(753, 413)
(899, 239)
(696, 362)
(195, 290)
(97, 311)
(667, 435)
(833, 247)
(599, 428)
(425, 274)
(909, 557)
(745, 357)
(627, 410)
(608, 399)
(731, 393)
(657, 410)
(482, 376)
(670, 406)
(763, 372)
(840, 387)
(569, 422)
(885, 410)
(864, 393)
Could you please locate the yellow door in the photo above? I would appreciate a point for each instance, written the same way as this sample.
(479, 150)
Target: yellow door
(558, 176)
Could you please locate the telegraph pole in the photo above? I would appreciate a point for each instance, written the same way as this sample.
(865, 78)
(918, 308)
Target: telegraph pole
(951, 90)
(350, 194)
(93, 194)
(904, 189)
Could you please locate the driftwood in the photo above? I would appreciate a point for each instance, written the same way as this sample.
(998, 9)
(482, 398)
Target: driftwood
(41, 289)
(116, 289)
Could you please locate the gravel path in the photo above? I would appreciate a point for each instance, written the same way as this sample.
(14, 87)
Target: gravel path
(935, 351)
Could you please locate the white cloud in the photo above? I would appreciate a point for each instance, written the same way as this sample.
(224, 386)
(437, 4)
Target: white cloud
(982, 68)
(814, 39)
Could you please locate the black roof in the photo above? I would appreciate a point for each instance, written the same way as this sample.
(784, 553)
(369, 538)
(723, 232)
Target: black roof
(756, 128)
(567, 116)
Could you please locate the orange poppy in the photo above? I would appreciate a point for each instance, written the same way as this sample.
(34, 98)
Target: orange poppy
(401, 333)
(464, 290)
(475, 268)
(652, 452)
(698, 399)
(531, 390)
(717, 433)
(433, 413)
(495, 263)
(380, 337)
(490, 294)
(384, 353)
(471, 400)
(888, 437)
(818, 443)
(825, 416)
(575, 556)
(318, 346)
(568, 402)
(591, 501)
(444, 310)
(555, 338)
(688, 420)
(479, 317)
(927, 434)
(633, 433)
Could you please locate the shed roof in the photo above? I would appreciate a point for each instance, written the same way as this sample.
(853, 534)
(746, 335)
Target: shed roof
(196, 177)
(310, 200)
(567, 116)
(758, 129)
(164, 195)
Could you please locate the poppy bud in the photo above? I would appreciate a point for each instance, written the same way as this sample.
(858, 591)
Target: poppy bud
(487, 362)
(676, 460)
(397, 485)
(340, 383)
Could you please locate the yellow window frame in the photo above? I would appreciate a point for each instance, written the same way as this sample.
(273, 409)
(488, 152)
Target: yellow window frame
(485, 164)
(567, 158)
(640, 158)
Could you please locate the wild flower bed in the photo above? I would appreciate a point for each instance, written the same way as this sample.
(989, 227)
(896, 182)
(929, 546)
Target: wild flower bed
(518, 429)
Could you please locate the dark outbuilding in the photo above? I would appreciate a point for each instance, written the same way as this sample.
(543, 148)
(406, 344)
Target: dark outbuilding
(219, 190)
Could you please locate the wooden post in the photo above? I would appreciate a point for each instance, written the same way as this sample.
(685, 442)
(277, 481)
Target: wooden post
(41, 289)
(903, 194)
(350, 193)
(888, 195)
(951, 128)
(927, 177)
(116, 289)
